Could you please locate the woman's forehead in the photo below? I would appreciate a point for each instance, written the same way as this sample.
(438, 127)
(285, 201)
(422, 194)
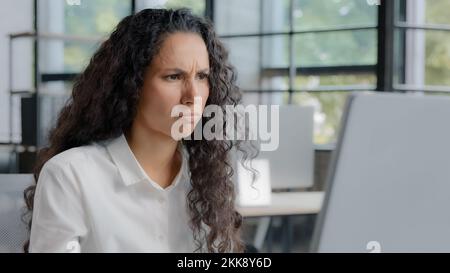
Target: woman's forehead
(183, 50)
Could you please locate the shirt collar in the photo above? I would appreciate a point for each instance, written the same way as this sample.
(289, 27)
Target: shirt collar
(131, 171)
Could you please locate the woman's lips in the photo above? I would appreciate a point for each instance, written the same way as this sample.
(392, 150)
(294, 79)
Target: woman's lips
(189, 115)
(191, 118)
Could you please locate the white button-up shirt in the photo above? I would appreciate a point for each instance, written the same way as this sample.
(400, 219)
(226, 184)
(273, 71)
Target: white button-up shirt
(97, 198)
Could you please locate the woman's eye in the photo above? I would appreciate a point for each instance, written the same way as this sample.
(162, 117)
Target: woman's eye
(173, 77)
(203, 76)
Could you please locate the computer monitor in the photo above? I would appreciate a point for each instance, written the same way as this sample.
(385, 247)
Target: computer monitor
(291, 165)
(388, 187)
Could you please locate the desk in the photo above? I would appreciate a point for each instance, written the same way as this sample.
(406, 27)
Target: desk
(282, 204)
(287, 203)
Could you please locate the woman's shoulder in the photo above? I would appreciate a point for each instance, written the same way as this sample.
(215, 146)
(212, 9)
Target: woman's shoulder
(85, 154)
(71, 167)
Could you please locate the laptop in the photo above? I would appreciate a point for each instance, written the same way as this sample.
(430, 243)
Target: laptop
(388, 187)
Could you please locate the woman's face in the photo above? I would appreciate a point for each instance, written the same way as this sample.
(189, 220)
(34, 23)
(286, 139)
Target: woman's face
(177, 74)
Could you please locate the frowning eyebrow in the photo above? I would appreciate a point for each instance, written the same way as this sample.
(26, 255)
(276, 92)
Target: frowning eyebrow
(181, 71)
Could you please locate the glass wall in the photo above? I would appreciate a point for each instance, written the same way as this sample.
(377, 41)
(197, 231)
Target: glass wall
(307, 52)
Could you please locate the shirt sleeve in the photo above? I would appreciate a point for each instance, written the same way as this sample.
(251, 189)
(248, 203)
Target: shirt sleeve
(58, 223)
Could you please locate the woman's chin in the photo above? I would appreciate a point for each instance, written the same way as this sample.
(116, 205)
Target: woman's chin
(186, 130)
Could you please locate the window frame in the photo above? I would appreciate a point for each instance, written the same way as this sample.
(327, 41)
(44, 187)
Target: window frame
(291, 71)
(383, 70)
(400, 7)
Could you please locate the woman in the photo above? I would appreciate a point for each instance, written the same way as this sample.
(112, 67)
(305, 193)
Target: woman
(113, 178)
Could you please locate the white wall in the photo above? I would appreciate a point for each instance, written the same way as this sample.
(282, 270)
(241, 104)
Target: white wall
(15, 16)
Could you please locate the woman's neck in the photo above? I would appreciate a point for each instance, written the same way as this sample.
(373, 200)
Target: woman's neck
(155, 152)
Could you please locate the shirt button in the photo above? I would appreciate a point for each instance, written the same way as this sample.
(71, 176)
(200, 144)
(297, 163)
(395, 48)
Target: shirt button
(161, 200)
(160, 237)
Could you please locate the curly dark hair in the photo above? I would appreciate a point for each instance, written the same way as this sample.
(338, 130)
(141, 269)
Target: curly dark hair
(103, 105)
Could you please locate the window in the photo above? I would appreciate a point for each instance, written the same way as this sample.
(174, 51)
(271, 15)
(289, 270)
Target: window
(422, 41)
(307, 52)
(80, 26)
(70, 33)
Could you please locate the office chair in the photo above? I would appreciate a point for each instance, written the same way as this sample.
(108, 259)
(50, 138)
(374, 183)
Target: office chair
(13, 231)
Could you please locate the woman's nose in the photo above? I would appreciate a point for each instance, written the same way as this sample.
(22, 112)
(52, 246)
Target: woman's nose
(190, 92)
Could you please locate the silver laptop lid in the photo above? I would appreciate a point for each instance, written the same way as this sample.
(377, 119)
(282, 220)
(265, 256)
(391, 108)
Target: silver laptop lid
(388, 188)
